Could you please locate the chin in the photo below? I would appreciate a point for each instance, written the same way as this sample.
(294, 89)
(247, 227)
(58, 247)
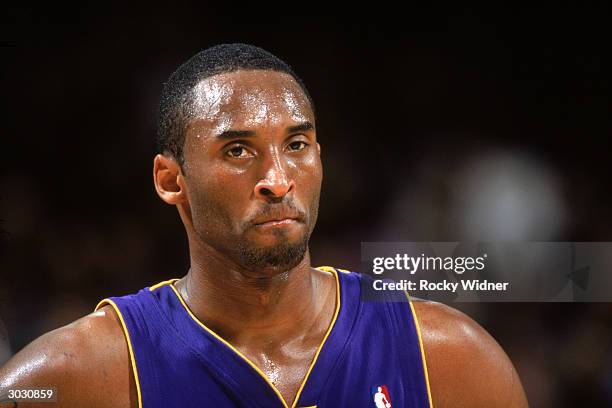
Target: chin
(277, 255)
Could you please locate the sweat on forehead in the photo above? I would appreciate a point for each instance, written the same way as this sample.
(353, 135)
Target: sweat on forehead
(248, 99)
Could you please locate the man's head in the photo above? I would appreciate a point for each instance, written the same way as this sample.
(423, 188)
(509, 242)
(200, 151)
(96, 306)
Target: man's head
(176, 108)
(239, 156)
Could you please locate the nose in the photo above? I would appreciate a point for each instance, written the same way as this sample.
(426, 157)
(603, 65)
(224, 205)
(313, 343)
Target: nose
(276, 183)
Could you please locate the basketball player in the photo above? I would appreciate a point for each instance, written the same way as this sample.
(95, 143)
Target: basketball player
(252, 323)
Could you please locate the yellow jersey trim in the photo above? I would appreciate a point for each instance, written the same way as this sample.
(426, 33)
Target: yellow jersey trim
(152, 288)
(129, 343)
(333, 322)
(263, 375)
(332, 270)
(416, 322)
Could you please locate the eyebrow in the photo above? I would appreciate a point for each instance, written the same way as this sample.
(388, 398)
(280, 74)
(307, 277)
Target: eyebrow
(302, 127)
(235, 134)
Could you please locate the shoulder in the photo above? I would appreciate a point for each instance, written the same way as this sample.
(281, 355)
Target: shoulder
(86, 361)
(466, 366)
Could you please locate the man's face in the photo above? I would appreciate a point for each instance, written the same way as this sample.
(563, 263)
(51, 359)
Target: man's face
(253, 168)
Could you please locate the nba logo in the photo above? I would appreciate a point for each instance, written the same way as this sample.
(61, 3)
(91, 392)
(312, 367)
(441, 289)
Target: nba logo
(381, 398)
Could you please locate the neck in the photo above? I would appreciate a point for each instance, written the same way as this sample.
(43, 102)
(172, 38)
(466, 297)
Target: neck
(245, 306)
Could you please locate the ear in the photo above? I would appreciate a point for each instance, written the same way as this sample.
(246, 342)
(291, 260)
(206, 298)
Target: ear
(169, 180)
(319, 148)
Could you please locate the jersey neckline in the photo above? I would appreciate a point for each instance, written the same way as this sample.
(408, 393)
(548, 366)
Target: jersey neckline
(241, 356)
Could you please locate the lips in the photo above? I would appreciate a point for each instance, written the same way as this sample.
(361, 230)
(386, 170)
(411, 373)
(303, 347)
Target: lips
(276, 223)
(280, 218)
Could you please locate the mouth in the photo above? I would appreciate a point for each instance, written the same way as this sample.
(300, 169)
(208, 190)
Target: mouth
(278, 218)
(276, 222)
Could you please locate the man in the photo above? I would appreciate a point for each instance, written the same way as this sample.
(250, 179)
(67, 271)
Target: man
(252, 324)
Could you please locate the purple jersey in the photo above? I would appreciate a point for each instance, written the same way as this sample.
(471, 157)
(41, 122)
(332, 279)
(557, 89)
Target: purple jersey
(371, 356)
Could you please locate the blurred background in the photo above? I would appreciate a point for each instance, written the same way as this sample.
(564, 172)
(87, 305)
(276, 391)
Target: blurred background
(467, 125)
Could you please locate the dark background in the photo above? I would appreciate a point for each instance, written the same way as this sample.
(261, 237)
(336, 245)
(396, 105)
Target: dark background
(472, 124)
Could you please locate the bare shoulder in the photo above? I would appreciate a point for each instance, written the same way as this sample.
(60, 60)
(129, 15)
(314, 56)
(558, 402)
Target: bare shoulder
(86, 361)
(466, 366)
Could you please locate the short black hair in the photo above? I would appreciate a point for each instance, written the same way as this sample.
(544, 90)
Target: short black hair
(174, 106)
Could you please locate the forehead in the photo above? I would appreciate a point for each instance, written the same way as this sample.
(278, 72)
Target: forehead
(247, 100)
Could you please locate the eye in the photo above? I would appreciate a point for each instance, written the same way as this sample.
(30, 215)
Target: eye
(238, 152)
(297, 145)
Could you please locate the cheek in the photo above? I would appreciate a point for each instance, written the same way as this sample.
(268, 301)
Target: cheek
(204, 207)
(215, 201)
(310, 178)
(310, 175)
